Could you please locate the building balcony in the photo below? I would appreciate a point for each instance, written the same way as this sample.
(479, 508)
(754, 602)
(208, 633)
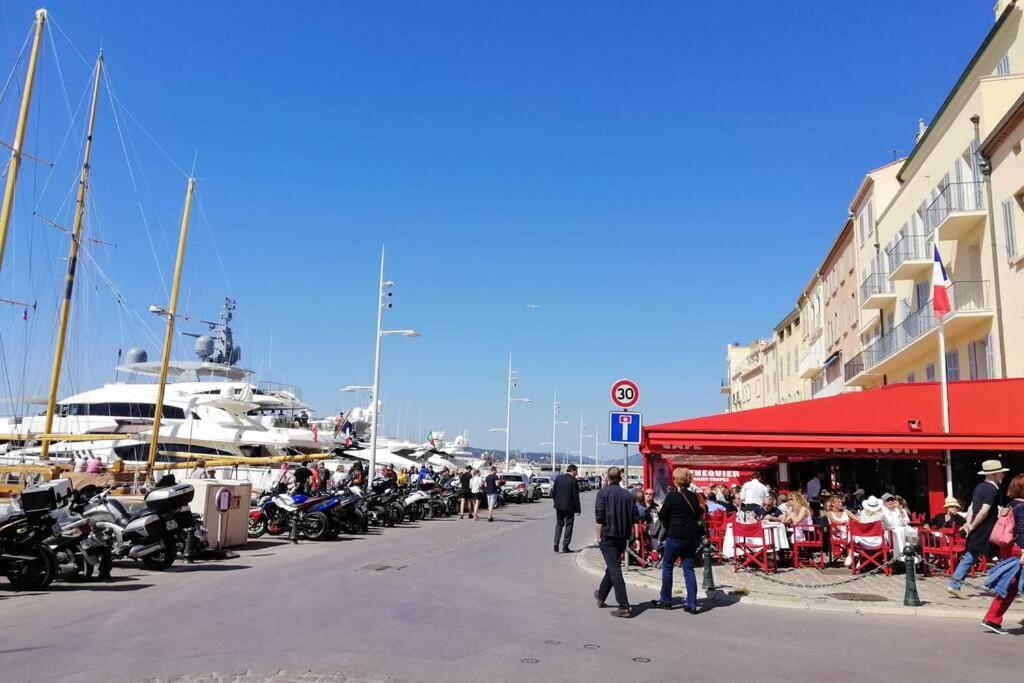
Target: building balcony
(917, 335)
(876, 292)
(810, 363)
(958, 212)
(725, 388)
(910, 258)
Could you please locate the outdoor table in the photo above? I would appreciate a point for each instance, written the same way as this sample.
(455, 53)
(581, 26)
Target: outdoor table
(777, 530)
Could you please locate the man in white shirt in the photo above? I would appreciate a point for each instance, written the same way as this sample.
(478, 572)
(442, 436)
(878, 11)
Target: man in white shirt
(752, 493)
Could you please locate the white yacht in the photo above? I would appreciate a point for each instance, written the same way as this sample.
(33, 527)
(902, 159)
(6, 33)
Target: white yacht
(210, 408)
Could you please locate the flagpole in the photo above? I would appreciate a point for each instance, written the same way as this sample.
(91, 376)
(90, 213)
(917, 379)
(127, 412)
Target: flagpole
(945, 402)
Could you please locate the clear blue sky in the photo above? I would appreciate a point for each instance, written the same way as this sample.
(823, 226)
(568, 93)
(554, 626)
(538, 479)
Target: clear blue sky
(662, 178)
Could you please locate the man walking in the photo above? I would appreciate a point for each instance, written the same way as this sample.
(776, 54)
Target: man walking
(565, 493)
(980, 520)
(491, 489)
(616, 514)
(464, 488)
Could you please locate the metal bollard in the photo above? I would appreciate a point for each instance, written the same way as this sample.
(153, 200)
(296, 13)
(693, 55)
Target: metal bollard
(910, 596)
(293, 535)
(708, 582)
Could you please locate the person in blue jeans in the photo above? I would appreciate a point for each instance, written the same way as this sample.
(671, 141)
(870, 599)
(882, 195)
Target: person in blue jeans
(681, 515)
(981, 518)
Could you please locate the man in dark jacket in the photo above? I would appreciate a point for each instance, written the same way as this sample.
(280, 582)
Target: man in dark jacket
(616, 514)
(565, 493)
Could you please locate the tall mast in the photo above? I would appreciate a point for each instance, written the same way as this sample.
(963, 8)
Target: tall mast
(19, 135)
(76, 240)
(169, 335)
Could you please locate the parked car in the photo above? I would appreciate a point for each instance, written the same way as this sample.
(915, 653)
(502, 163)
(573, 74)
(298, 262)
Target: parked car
(583, 483)
(545, 485)
(595, 482)
(518, 487)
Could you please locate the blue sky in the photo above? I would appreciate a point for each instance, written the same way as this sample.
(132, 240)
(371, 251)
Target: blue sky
(662, 179)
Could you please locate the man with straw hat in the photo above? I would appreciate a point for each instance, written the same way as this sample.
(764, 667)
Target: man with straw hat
(980, 520)
(949, 517)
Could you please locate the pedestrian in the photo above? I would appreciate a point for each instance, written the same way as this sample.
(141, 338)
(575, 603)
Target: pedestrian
(338, 423)
(1007, 577)
(980, 519)
(403, 476)
(339, 477)
(356, 475)
(682, 517)
(200, 470)
(284, 478)
(95, 465)
(464, 479)
(476, 486)
(565, 494)
(491, 489)
(302, 476)
(615, 513)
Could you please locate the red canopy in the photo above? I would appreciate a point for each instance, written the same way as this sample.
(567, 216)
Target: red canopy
(898, 420)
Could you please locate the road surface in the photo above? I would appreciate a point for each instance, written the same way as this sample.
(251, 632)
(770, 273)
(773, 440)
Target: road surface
(451, 600)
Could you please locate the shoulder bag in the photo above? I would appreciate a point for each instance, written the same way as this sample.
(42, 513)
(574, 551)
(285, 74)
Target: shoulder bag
(1003, 532)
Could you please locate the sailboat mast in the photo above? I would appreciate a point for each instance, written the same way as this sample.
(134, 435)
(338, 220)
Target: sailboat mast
(19, 135)
(169, 334)
(69, 286)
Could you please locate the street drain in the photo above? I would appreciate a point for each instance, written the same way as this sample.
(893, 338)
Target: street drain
(858, 597)
(529, 661)
(552, 642)
(591, 646)
(641, 660)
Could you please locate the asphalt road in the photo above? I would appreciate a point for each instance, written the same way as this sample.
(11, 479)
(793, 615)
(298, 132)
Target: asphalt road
(451, 600)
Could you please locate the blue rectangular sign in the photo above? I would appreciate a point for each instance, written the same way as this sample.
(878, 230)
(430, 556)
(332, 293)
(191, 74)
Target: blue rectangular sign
(625, 427)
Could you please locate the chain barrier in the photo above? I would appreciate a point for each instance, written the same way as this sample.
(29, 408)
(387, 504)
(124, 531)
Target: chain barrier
(942, 570)
(832, 584)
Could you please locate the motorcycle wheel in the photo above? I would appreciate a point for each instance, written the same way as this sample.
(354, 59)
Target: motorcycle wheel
(315, 526)
(162, 559)
(255, 528)
(35, 575)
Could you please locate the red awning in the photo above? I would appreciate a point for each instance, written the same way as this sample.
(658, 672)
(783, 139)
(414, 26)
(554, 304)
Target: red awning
(898, 420)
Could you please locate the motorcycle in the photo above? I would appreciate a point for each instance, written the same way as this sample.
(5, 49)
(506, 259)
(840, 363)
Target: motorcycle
(24, 558)
(276, 512)
(155, 533)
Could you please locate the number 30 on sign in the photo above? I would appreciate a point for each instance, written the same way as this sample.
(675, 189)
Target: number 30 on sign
(625, 393)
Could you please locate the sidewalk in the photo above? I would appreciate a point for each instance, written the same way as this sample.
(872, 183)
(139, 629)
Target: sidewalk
(810, 589)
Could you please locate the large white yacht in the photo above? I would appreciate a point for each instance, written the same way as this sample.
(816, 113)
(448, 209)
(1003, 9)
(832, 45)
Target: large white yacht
(210, 408)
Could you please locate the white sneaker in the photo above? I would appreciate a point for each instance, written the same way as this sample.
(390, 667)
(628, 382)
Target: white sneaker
(848, 561)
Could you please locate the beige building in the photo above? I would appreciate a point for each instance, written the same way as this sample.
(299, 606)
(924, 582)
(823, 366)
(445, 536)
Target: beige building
(941, 204)
(866, 316)
(746, 374)
(790, 386)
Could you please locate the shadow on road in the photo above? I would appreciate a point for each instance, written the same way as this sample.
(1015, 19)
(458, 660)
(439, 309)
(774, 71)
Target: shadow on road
(203, 567)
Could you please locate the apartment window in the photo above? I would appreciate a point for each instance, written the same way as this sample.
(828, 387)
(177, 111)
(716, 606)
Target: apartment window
(1011, 231)
(871, 219)
(953, 366)
(757, 388)
(861, 229)
(911, 379)
(1003, 67)
(929, 372)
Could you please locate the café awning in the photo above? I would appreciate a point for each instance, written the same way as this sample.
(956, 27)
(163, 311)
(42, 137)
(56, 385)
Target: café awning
(898, 420)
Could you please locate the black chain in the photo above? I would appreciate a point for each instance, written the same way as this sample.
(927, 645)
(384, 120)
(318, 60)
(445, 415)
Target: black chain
(941, 570)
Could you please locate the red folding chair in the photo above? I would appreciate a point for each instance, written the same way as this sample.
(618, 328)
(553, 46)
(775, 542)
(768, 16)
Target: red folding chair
(916, 519)
(810, 538)
(753, 546)
(716, 533)
(838, 540)
(937, 549)
(872, 546)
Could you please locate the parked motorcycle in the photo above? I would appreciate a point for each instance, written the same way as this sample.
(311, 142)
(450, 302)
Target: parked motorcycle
(24, 558)
(274, 514)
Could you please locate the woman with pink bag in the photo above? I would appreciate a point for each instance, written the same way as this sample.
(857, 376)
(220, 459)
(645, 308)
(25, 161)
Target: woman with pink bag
(1006, 577)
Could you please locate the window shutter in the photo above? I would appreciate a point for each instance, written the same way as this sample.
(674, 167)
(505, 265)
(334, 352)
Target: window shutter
(1011, 233)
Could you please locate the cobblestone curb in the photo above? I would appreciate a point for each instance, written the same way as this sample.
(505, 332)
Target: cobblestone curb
(590, 562)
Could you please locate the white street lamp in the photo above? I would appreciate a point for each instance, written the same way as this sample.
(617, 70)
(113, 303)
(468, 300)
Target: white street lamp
(554, 428)
(383, 301)
(513, 380)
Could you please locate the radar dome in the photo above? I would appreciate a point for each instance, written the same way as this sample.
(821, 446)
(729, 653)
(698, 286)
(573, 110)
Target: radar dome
(204, 346)
(136, 355)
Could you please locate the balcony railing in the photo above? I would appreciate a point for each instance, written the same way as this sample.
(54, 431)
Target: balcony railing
(963, 296)
(875, 283)
(908, 248)
(956, 198)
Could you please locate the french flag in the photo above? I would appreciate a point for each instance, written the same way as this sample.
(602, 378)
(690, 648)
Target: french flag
(940, 286)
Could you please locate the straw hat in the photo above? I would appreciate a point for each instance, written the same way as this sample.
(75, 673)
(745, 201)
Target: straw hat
(872, 504)
(951, 502)
(992, 467)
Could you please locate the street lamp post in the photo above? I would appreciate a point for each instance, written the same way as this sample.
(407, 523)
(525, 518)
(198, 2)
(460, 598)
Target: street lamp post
(554, 428)
(513, 380)
(383, 301)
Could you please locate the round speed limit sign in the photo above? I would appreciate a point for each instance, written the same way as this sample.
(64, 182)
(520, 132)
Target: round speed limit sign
(625, 393)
